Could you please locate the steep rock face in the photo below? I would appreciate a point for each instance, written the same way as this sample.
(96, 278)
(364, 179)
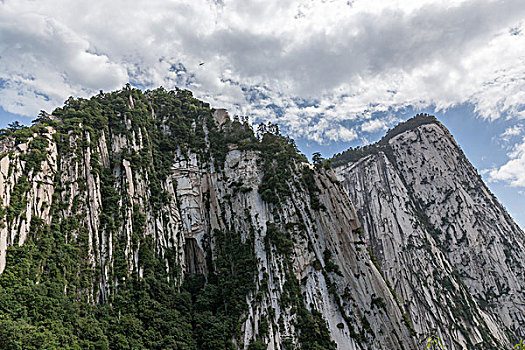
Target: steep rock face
(149, 212)
(442, 239)
(29, 191)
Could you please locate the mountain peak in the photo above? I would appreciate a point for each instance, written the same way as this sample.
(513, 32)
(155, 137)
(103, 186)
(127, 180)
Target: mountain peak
(411, 124)
(354, 154)
(425, 210)
(152, 209)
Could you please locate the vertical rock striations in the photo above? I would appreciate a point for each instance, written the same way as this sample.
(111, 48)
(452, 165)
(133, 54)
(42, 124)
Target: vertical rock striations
(447, 246)
(147, 220)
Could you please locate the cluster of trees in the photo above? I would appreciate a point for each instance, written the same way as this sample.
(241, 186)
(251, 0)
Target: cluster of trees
(47, 289)
(354, 154)
(49, 293)
(37, 309)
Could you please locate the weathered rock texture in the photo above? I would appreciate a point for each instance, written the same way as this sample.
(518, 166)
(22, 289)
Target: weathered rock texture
(445, 243)
(112, 179)
(37, 188)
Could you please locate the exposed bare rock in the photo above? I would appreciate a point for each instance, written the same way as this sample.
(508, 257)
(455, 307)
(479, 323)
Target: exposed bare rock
(448, 247)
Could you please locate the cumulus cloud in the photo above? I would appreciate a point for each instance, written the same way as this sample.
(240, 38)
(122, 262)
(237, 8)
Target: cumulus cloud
(514, 130)
(373, 125)
(513, 171)
(43, 61)
(319, 68)
(511, 133)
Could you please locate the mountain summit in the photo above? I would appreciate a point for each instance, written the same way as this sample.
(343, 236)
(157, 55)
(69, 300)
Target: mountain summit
(445, 243)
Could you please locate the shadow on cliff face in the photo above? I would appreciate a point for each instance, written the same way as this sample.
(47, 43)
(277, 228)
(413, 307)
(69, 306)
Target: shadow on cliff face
(195, 259)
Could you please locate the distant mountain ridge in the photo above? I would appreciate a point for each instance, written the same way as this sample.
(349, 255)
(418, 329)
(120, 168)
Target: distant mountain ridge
(354, 154)
(426, 212)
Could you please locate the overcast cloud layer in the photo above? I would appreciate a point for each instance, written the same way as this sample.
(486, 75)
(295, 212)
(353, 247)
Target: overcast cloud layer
(319, 68)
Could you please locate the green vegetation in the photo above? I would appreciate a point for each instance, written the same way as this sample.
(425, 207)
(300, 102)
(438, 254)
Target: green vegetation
(308, 180)
(282, 241)
(18, 199)
(219, 302)
(52, 293)
(434, 342)
(41, 302)
(355, 154)
(313, 330)
(36, 154)
(279, 154)
(329, 265)
(147, 313)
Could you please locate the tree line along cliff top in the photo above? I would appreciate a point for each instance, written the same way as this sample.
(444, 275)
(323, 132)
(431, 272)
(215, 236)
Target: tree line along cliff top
(354, 154)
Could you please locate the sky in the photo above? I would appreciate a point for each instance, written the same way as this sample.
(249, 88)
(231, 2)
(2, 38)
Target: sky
(332, 74)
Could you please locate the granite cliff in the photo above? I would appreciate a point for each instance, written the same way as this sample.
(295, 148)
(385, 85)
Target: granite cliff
(441, 238)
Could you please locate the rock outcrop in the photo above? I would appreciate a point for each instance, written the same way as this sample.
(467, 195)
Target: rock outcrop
(443, 241)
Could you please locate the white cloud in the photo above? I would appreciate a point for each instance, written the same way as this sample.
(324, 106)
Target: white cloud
(510, 134)
(514, 130)
(373, 125)
(42, 61)
(341, 134)
(513, 171)
(315, 67)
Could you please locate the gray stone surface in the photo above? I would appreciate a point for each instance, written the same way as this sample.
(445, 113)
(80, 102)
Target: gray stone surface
(442, 239)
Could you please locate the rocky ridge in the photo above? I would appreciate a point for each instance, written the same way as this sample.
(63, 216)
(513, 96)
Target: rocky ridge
(443, 241)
